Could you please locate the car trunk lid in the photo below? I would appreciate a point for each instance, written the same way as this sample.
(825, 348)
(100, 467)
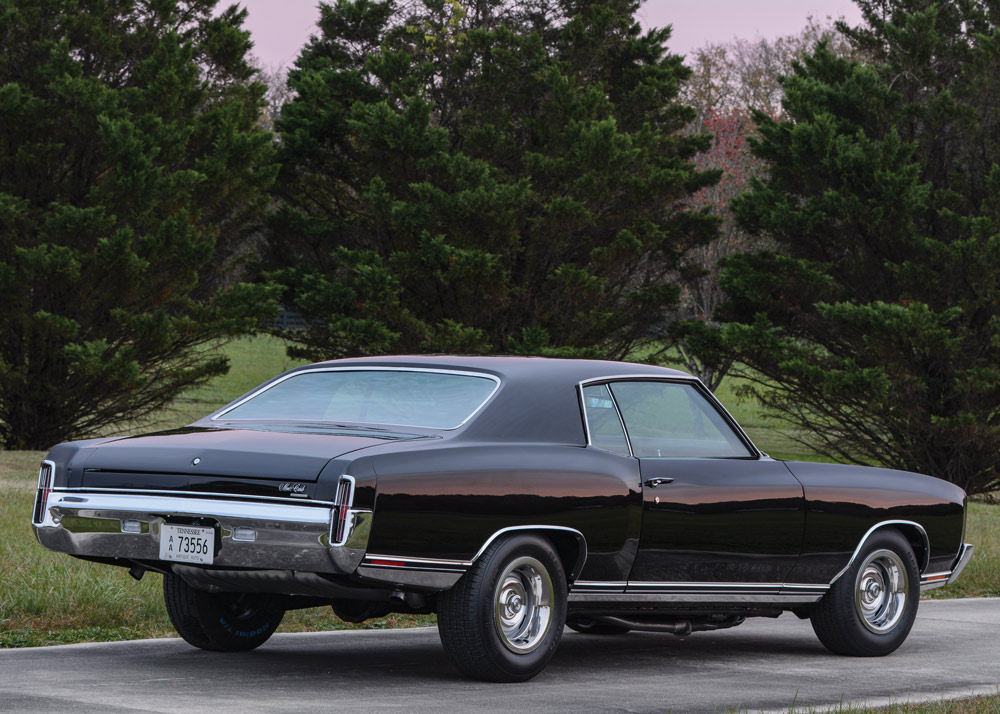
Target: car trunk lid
(239, 453)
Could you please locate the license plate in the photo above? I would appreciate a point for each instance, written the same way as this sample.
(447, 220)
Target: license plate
(187, 544)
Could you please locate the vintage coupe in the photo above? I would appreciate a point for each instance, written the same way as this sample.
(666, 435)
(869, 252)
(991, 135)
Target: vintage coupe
(508, 495)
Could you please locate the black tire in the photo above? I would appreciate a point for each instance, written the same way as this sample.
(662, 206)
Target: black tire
(857, 617)
(586, 626)
(502, 621)
(221, 622)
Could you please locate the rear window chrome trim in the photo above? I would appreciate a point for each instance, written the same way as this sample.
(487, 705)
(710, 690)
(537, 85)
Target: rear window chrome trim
(363, 368)
(586, 422)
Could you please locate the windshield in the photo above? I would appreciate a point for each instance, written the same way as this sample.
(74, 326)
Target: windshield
(435, 400)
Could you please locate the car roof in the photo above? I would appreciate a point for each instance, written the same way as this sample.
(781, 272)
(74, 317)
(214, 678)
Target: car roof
(514, 367)
(537, 400)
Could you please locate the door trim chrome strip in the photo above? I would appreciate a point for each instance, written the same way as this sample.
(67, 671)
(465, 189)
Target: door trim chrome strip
(698, 588)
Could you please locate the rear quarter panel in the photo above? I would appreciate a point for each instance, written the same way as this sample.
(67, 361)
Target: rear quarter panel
(447, 502)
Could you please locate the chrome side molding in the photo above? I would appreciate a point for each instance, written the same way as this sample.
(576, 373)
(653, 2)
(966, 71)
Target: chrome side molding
(883, 524)
(929, 581)
(964, 555)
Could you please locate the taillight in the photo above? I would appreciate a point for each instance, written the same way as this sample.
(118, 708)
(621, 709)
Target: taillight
(342, 511)
(45, 475)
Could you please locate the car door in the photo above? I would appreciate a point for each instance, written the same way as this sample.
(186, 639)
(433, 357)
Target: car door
(715, 510)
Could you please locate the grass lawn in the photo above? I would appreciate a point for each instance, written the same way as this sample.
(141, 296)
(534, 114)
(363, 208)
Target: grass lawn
(48, 598)
(252, 360)
(971, 705)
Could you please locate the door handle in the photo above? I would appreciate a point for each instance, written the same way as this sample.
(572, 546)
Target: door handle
(654, 482)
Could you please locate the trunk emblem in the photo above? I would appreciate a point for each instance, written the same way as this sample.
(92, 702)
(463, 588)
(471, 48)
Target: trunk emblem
(196, 462)
(293, 488)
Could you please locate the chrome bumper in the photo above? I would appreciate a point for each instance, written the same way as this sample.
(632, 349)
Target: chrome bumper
(929, 581)
(256, 534)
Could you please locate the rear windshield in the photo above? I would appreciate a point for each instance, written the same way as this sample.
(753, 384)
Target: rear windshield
(436, 400)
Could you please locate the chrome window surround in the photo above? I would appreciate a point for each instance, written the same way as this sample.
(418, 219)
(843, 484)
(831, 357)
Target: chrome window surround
(483, 375)
(697, 383)
(586, 423)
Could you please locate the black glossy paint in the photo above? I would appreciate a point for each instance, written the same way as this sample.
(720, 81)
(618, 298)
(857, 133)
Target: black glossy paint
(523, 460)
(719, 520)
(844, 501)
(199, 452)
(446, 502)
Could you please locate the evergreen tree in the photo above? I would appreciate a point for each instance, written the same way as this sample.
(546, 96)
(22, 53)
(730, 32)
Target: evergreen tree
(131, 164)
(876, 325)
(494, 176)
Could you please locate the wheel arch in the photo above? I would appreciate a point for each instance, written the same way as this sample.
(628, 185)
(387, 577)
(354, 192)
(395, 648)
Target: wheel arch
(569, 543)
(911, 530)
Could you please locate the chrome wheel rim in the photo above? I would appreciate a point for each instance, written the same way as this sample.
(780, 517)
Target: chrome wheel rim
(522, 604)
(881, 590)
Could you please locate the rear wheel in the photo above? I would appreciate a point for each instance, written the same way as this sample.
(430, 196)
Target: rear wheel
(869, 611)
(223, 622)
(502, 621)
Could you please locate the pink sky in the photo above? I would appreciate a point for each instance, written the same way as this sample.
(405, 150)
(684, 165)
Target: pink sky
(281, 27)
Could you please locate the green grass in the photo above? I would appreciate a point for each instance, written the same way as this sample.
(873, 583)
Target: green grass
(252, 360)
(49, 598)
(773, 437)
(970, 705)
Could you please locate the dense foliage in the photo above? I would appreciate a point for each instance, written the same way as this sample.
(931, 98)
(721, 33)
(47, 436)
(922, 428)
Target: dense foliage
(495, 176)
(130, 167)
(876, 322)
(727, 81)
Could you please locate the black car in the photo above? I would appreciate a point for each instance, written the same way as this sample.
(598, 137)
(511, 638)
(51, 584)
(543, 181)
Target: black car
(509, 496)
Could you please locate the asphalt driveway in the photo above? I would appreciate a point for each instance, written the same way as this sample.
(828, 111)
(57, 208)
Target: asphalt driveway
(954, 650)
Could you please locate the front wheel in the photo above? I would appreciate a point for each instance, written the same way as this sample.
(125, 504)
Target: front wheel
(869, 611)
(223, 622)
(502, 621)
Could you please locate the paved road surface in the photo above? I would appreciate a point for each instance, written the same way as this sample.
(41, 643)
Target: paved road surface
(954, 649)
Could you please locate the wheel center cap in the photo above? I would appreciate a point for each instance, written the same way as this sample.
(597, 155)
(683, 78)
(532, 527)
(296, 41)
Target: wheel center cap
(874, 590)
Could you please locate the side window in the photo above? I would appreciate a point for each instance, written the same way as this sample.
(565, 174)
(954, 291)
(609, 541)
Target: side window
(605, 426)
(672, 419)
